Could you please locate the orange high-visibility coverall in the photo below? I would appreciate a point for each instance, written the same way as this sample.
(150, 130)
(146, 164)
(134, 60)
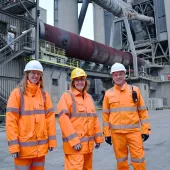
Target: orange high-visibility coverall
(79, 124)
(122, 119)
(30, 125)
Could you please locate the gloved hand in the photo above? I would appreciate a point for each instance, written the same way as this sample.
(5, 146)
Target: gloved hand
(50, 149)
(97, 146)
(15, 155)
(77, 147)
(108, 140)
(145, 137)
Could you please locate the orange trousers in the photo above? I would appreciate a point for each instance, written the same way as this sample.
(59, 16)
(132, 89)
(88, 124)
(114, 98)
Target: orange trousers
(78, 161)
(122, 142)
(29, 163)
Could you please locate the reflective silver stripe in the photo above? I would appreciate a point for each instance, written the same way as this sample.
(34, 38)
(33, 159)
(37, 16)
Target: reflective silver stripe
(138, 160)
(86, 139)
(21, 100)
(26, 167)
(144, 121)
(106, 111)
(38, 163)
(74, 108)
(126, 126)
(32, 112)
(43, 95)
(122, 109)
(62, 112)
(122, 159)
(106, 124)
(12, 109)
(72, 136)
(13, 142)
(83, 115)
(141, 108)
(24, 112)
(98, 135)
(52, 137)
(50, 110)
(34, 143)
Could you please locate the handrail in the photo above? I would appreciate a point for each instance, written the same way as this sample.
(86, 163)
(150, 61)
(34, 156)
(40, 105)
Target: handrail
(22, 35)
(4, 94)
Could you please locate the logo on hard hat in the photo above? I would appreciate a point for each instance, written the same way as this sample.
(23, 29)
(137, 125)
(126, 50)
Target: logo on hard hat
(78, 73)
(35, 67)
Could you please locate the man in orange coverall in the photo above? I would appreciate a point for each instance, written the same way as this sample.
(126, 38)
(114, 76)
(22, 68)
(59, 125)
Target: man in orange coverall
(125, 121)
(30, 120)
(79, 123)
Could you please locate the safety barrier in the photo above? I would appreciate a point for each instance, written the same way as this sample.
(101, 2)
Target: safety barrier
(57, 56)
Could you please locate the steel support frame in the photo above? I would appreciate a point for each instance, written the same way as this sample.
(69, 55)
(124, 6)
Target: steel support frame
(35, 23)
(55, 13)
(130, 41)
(83, 13)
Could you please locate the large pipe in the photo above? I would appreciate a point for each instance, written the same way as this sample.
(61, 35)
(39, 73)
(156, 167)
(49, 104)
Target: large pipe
(121, 9)
(85, 49)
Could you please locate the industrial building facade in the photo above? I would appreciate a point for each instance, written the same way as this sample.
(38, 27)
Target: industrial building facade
(149, 42)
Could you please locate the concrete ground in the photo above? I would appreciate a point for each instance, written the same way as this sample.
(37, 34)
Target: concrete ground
(157, 148)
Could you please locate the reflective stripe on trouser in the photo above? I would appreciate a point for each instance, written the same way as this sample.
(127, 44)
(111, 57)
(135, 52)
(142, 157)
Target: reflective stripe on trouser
(29, 163)
(134, 141)
(78, 161)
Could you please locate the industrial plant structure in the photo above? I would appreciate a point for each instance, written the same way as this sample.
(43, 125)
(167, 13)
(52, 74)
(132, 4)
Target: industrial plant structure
(133, 32)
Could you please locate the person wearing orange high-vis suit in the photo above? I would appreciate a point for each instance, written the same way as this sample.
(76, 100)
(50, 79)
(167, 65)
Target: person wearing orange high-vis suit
(30, 120)
(125, 121)
(79, 123)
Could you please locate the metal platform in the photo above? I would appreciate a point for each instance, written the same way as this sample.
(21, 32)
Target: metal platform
(16, 7)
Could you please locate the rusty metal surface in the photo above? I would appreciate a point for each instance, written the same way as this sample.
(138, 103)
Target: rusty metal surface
(85, 49)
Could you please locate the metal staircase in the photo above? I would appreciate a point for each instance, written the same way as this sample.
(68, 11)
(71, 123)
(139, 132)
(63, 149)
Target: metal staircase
(3, 102)
(17, 6)
(22, 45)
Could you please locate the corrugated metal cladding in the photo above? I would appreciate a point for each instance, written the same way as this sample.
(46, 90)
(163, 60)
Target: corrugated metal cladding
(160, 17)
(6, 86)
(3, 28)
(12, 21)
(13, 68)
(108, 18)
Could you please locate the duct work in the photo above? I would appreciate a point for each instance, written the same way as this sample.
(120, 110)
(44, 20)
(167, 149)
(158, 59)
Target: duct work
(121, 9)
(85, 49)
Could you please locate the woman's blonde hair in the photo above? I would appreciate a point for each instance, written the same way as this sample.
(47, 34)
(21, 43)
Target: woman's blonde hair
(23, 82)
(86, 87)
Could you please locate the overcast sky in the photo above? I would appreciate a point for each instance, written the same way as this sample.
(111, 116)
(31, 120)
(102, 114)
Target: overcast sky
(87, 30)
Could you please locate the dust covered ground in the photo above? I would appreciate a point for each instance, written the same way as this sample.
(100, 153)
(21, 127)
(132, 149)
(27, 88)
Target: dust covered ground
(157, 148)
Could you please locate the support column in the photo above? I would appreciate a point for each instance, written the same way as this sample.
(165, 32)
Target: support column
(99, 30)
(67, 15)
(167, 5)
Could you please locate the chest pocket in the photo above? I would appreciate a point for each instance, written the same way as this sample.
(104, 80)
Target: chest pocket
(113, 101)
(80, 107)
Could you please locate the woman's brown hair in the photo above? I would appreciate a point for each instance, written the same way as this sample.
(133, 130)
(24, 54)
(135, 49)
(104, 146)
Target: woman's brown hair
(86, 87)
(23, 82)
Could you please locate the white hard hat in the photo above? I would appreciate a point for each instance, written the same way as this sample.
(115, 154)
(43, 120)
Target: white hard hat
(33, 65)
(117, 67)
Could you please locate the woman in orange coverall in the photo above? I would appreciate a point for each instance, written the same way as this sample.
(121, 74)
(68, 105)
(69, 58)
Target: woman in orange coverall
(79, 123)
(30, 121)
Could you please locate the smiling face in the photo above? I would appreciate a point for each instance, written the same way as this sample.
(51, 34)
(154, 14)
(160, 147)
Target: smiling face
(79, 83)
(34, 76)
(118, 78)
